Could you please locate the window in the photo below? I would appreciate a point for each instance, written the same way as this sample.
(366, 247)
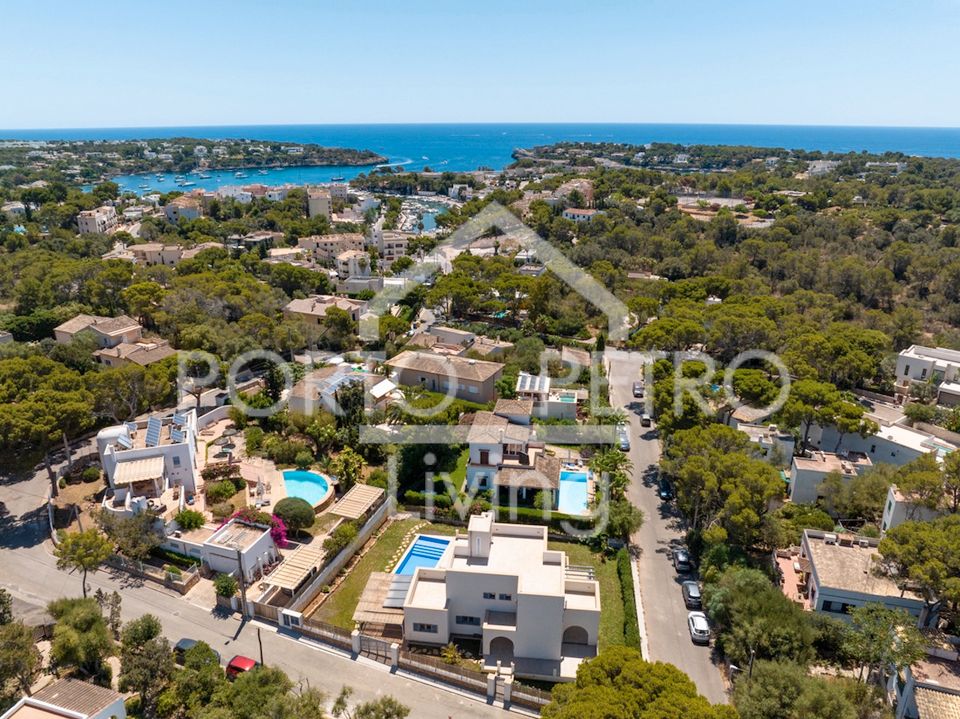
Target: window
(489, 595)
(923, 373)
(906, 371)
(470, 621)
(425, 628)
(873, 448)
(506, 597)
(176, 461)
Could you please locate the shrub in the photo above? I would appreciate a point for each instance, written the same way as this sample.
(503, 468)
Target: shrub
(225, 585)
(282, 451)
(253, 437)
(631, 627)
(90, 474)
(220, 491)
(339, 539)
(189, 519)
(221, 510)
(303, 459)
(172, 569)
(295, 512)
(174, 558)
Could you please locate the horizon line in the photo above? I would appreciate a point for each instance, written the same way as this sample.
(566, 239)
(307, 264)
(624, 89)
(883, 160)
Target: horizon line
(88, 128)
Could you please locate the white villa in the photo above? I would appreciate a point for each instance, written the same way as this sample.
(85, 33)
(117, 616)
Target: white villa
(150, 465)
(807, 472)
(502, 584)
(900, 508)
(69, 699)
(936, 365)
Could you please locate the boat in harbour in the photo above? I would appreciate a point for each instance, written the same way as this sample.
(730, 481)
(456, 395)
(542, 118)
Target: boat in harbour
(338, 178)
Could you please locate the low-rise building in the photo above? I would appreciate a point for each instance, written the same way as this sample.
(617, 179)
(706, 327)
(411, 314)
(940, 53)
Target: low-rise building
(549, 402)
(807, 472)
(314, 309)
(469, 379)
(99, 221)
(156, 253)
(240, 546)
(353, 263)
(183, 207)
(143, 352)
(833, 573)
(934, 365)
(14, 211)
(5, 337)
(579, 214)
(327, 247)
(928, 689)
(526, 603)
(150, 465)
(900, 508)
(69, 699)
(109, 331)
(773, 444)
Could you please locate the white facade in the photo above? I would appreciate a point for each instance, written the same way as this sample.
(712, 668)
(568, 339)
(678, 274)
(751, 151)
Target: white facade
(239, 544)
(774, 445)
(806, 473)
(319, 203)
(893, 444)
(97, 222)
(934, 364)
(899, 509)
(500, 583)
(844, 572)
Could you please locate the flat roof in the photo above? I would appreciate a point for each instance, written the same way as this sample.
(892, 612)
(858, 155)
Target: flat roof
(934, 353)
(850, 567)
(77, 696)
(829, 462)
(237, 535)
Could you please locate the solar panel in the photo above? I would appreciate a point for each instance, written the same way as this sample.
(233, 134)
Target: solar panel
(131, 427)
(180, 419)
(176, 435)
(153, 432)
(124, 441)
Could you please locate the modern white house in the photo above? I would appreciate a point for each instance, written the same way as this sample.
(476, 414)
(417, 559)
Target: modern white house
(500, 583)
(69, 699)
(894, 443)
(899, 508)
(237, 545)
(807, 472)
(150, 465)
(937, 366)
(549, 402)
(770, 442)
(842, 571)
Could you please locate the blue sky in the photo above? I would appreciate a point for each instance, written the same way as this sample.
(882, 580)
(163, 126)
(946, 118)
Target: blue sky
(208, 62)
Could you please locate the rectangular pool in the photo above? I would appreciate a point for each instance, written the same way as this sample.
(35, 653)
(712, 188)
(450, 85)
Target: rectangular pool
(424, 552)
(573, 492)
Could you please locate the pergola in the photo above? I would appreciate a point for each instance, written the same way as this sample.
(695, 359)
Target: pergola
(359, 500)
(297, 566)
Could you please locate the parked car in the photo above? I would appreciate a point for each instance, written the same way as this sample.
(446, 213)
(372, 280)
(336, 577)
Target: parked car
(665, 489)
(681, 561)
(699, 627)
(646, 420)
(623, 438)
(638, 389)
(692, 598)
(238, 665)
(184, 645)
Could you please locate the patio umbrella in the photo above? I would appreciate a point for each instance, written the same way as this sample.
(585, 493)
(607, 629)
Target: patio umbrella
(229, 432)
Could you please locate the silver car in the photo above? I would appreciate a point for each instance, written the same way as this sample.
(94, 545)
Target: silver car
(699, 627)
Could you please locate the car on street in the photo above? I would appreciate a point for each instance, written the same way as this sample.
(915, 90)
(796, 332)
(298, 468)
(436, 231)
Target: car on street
(646, 420)
(699, 627)
(638, 389)
(664, 489)
(681, 561)
(692, 598)
(240, 664)
(623, 438)
(181, 648)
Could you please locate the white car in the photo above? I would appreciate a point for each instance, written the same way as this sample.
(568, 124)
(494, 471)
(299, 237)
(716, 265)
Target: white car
(699, 627)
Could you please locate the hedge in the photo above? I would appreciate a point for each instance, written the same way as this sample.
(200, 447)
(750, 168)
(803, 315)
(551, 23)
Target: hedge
(631, 627)
(175, 558)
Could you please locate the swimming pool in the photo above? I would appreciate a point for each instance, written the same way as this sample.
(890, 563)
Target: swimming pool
(573, 492)
(424, 552)
(312, 487)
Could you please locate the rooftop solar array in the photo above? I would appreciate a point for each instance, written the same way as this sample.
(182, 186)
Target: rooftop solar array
(154, 426)
(124, 441)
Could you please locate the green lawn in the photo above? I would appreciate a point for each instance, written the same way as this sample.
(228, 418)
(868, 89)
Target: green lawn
(459, 475)
(339, 607)
(611, 600)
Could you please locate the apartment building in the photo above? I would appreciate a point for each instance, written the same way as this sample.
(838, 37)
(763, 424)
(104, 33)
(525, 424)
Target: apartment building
(353, 263)
(99, 221)
(328, 247)
(319, 203)
(501, 584)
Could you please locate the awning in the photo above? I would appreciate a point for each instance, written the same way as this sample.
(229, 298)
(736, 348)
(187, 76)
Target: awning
(138, 470)
(297, 566)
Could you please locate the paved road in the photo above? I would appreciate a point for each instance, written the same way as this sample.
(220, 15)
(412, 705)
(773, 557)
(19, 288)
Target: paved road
(29, 572)
(665, 616)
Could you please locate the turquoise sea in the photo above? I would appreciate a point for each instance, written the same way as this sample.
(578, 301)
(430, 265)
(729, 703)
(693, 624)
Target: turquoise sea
(471, 146)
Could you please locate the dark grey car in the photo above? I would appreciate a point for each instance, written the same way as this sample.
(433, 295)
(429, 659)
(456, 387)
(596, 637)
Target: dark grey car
(691, 595)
